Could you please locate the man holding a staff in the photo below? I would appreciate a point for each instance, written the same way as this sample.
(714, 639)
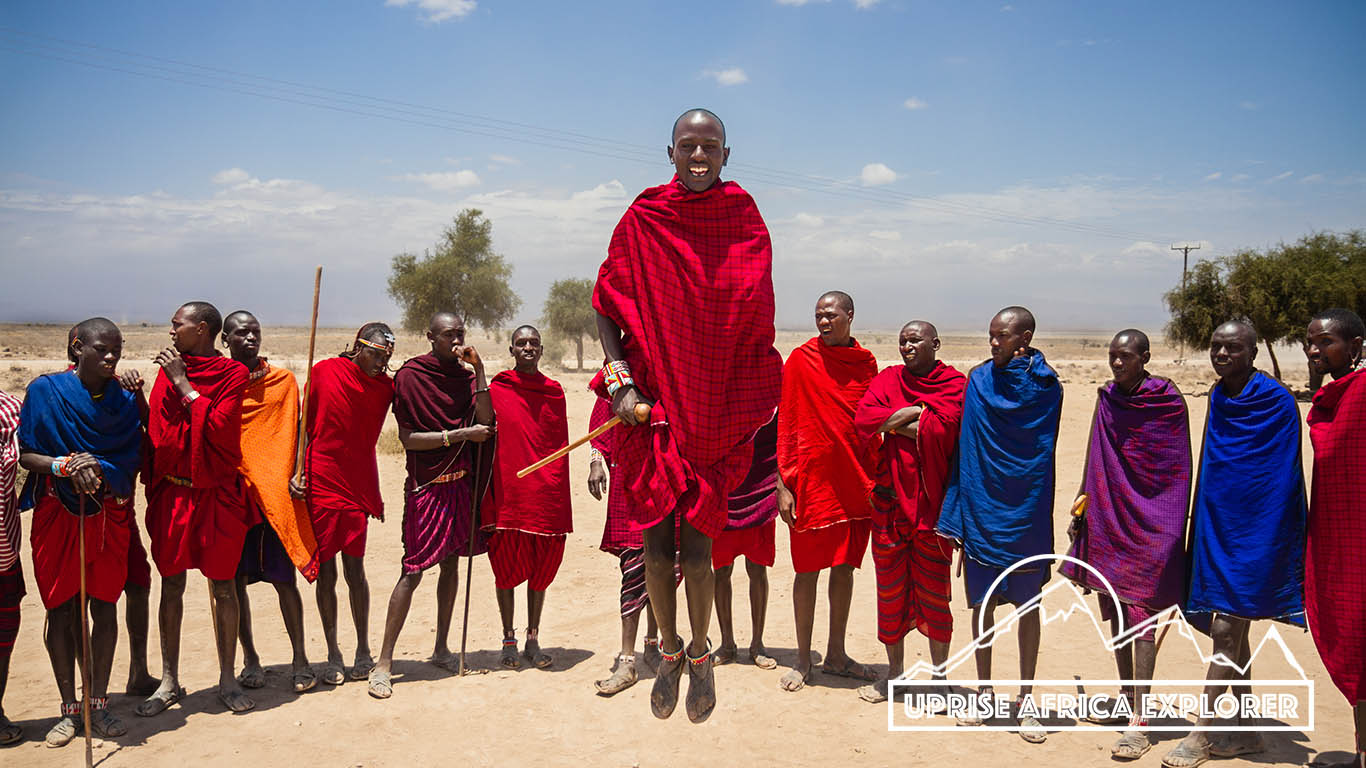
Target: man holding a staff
(685, 313)
(444, 412)
(80, 437)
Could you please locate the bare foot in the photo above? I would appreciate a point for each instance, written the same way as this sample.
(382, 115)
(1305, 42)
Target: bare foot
(759, 655)
(796, 678)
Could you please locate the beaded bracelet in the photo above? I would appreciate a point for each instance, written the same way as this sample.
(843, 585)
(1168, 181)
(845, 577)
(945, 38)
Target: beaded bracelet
(595, 455)
(617, 374)
(59, 466)
(190, 398)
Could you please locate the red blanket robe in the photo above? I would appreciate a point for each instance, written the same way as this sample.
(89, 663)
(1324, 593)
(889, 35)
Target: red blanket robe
(346, 411)
(203, 524)
(917, 470)
(823, 461)
(1334, 565)
(532, 422)
(688, 279)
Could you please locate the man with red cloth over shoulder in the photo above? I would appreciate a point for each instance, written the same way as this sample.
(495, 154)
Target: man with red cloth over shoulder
(685, 314)
(531, 516)
(197, 510)
(825, 476)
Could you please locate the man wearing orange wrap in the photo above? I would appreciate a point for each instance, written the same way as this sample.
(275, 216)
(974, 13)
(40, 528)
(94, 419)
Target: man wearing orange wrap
(685, 314)
(80, 437)
(197, 510)
(825, 475)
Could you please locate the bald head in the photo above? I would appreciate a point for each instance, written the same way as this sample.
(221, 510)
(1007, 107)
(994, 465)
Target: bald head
(696, 116)
(237, 318)
(444, 319)
(919, 347)
(446, 332)
(842, 300)
(87, 331)
(95, 349)
(1132, 339)
(1233, 352)
(1237, 329)
(924, 327)
(1018, 319)
(1011, 332)
(204, 312)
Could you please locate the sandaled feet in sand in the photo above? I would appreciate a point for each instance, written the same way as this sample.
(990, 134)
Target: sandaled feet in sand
(509, 659)
(1105, 704)
(796, 678)
(105, 725)
(701, 686)
(62, 732)
(970, 718)
(364, 663)
(446, 660)
(10, 733)
(252, 676)
(1237, 744)
(381, 684)
(161, 700)
(668, 679)
(333, 672)
(1131, 746)
(235, 699)
(725, 654)
(302, 677)
(849, 668)
(874, 693)
(651, 655)
(623, 676)
(140, 684)
(758, 654)
(1192, 751)
(531, 651)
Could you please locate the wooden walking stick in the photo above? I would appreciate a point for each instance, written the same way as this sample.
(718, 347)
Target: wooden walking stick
(642, 412)
(85, 645)
(469, 555)
(308, 379)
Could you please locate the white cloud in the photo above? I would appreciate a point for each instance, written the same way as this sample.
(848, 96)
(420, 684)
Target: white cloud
(231, 176)
(864, 5)
(729, 76)
(496, 159)
(877, 174)
(443, 181)
(1313, 178)
(1282, 176)
(1214, 176)
(914, 103)
(808, 220)
(437, 11)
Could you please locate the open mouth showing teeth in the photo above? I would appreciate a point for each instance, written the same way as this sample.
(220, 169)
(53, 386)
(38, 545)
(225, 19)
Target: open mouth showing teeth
(699, 170)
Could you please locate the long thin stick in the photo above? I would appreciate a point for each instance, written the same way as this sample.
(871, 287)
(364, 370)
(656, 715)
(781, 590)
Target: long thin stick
(642, 413)
(308, 380)
(85, 646)
(469, 555)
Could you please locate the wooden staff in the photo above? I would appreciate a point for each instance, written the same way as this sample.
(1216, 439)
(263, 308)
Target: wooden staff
(642, 413)
(85, 646)
(469, 555)
(308, 380)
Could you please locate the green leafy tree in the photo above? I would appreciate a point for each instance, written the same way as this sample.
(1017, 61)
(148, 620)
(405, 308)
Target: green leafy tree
(461, 273)
(569, 312)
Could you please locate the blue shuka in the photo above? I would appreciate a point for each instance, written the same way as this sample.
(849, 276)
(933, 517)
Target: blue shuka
(1000, 496)
(1248, 522)
(60, 417)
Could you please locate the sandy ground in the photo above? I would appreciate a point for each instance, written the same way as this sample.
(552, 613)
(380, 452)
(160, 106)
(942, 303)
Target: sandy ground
(553, 717)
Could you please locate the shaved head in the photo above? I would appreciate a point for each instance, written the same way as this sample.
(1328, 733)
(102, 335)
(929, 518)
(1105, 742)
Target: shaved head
(925, 327)
(442, 319)
(1132, 337)
(1344, 321)
(521, 329)
(1243, 331)
(843, 300)
(1018, 318)
(89, 330)
(240, 316)
(204, 312)
(695, 114)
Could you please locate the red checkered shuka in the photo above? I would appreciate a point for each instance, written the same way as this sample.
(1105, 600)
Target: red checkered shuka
(9, 464)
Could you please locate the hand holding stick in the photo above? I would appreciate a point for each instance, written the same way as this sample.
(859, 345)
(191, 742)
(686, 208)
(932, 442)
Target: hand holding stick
(642, 414)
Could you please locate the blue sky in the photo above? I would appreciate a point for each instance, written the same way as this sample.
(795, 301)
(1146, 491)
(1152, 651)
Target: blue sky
(934, 160)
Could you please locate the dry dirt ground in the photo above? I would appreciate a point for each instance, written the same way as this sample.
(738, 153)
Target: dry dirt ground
(553, 717)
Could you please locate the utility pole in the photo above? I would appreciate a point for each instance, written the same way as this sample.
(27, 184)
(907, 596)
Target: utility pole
(1185, 259)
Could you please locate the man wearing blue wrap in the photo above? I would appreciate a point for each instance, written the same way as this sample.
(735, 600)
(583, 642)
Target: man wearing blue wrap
(999, 505)
(1247, 527)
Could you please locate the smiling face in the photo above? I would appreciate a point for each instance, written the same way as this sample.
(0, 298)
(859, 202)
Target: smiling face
(187, 331)
(1008, 336)
(526, 350)
(699, 150)
(919, 345)
(97, 355)
(1232, 351)
(1329, 349)
(447, 334)
(242, 334)
(1127, 361)
(833, 321)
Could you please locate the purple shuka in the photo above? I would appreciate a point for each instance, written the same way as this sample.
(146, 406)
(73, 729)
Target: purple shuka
(754, 502)
(1138, 478)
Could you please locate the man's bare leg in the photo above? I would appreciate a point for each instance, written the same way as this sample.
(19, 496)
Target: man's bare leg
(804, 611)
(535, 604)
(758, 614)
(1027, 640)
(982, 656)
(136, 617)
(623, 674)
(253, 676)
(9, 732)
(325, 591)
(840, 593)
(1136, 661)
(169, 615)
(358, 589)
(381, 686)
(507, 612)
(224, 599)
(700, 582)
(1228, 633)
(728, 650)
(660, 586)
(447, 589)
(61, 645)
(292, 611)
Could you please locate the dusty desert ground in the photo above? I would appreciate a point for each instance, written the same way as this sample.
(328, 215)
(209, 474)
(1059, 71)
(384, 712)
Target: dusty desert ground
(553, 717)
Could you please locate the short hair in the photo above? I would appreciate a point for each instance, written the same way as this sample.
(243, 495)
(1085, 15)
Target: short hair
(1025, 317)
(1138, 336)
(697, 111)
(521, 328)
(846, 302)
(440, 314)
(1346, 320)
(228, 318)
(204, 312)
(933, 331)
(87, 330)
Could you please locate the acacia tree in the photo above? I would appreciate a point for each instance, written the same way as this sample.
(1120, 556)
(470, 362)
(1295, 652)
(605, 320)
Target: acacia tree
(461, 273)
(569, 312)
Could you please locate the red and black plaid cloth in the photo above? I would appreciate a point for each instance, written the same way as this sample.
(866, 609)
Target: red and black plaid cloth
(688, 279)
(1334, 563)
